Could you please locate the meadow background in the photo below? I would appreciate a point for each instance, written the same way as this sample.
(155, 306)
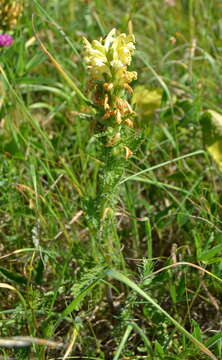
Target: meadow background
(53, 284)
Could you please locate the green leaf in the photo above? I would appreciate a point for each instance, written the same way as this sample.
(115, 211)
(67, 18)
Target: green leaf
(11, 275)
(211, 122)
(214, 339)
(209, 254)
(196, 330)
(159, 349)
(173, 293)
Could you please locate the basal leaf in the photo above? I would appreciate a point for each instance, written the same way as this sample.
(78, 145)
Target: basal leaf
(11, 275)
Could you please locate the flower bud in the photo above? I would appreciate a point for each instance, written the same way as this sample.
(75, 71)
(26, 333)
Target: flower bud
(129, 122)
(108, 86)
(128, 152)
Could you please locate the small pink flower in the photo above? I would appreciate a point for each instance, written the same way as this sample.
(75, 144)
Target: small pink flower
(5, 40)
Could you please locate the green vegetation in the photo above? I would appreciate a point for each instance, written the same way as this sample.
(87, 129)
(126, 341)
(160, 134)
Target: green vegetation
(137, 276)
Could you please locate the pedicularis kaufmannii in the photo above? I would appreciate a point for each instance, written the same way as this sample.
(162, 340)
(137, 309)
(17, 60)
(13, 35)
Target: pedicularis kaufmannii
(109, 81)
(107, 62)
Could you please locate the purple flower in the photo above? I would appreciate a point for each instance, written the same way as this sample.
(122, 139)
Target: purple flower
(5, 40)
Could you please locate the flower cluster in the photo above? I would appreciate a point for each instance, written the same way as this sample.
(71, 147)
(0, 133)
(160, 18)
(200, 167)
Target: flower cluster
(5, 40)
(9, 13)
(107, 61)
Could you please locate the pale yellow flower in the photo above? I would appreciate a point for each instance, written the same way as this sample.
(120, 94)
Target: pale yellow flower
(123, 48)
(110, 38)
(96, 59)
(108, 59)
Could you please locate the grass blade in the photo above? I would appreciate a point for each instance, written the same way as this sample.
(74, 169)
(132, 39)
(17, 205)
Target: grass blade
(131, 177)
(123, 341)
(118, 276)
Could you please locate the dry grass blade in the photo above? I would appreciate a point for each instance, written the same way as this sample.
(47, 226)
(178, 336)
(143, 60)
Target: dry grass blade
(20, 341)
(188, 264)
(10, 287)
(70, 346)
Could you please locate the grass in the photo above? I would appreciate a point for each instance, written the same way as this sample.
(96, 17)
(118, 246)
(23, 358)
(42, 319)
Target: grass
(152, 291)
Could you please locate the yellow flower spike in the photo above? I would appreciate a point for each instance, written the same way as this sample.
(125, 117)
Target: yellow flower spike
(107, 60)
(110, 57)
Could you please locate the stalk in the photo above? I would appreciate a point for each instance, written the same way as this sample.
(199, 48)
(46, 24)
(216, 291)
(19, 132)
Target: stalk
(107, 61)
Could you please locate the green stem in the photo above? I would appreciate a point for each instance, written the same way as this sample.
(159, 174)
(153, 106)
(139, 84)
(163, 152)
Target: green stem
(101, 210)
